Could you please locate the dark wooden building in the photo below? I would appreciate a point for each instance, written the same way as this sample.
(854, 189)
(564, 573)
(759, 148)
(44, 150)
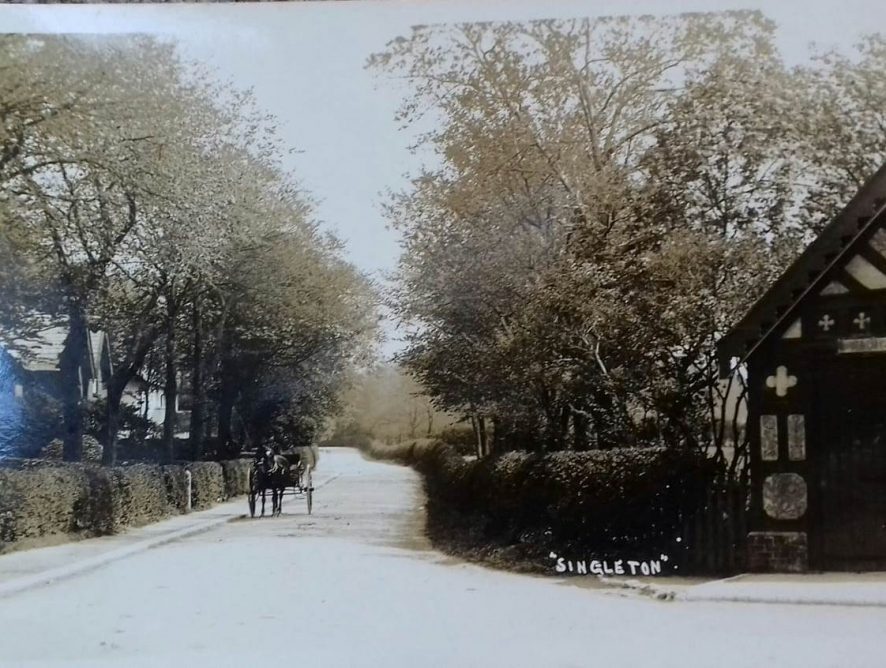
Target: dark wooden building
(815, 350)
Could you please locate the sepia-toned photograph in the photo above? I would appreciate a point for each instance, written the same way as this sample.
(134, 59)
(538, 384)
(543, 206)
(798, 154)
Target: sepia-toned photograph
(401, 333)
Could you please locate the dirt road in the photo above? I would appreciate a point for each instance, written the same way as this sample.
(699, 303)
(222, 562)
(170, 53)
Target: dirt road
(356, 585)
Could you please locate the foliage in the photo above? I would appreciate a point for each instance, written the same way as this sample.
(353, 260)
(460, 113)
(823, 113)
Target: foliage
(39, 423)
(461, 438)
(348, 434)
(131, 422)
(621, 503)
(141, 197)
(607, 196)
(40, 498)
(382, 402)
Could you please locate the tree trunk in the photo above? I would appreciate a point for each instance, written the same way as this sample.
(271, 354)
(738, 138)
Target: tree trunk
(563, 428)
(579, 432)
(123, 373)
(225, 409)
(115, 395)
(72, 384)
(476, 427)
(483, 438)
(494, 436)
(198, 390)
(170, 389)
(413, 420)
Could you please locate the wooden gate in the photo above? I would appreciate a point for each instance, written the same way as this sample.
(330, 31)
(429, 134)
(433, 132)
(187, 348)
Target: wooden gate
(850, 505)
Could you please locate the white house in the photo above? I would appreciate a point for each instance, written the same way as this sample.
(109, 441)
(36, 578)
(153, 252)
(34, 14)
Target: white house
(33, 361)
(31, 364)
(148, 399)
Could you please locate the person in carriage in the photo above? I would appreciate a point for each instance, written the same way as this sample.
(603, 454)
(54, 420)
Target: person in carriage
(281, 463)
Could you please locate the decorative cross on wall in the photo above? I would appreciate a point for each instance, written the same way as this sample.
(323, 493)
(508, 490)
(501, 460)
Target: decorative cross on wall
(826, 322)
(781, 381)
(862, 320)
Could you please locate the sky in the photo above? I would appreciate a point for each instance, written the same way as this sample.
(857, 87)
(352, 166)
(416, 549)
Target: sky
(305, 62)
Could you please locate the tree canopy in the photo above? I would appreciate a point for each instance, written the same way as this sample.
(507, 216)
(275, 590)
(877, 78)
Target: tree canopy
(140, 197)
(606, 197)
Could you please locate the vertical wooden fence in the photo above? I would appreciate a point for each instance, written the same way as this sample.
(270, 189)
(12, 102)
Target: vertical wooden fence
(715, 530)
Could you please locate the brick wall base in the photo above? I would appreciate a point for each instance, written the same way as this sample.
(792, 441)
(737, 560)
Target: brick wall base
(778, 552)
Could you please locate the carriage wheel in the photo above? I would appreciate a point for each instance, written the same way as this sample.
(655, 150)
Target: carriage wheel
(251, 494)
(309, 489)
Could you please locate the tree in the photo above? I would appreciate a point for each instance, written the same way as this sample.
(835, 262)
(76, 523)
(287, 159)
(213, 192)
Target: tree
(609, 196)
(382, 402)
(150, 202)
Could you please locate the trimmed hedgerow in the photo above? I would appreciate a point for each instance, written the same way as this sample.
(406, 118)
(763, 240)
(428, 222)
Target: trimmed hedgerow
(44, 498)
(207, 484)
(405, 453)
(628, 502)
(236, 476)
(137, 495)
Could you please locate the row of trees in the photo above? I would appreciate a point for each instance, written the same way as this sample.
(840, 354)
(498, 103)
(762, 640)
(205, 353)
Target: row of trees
(140, 198)
(608, 196)
(384, 403)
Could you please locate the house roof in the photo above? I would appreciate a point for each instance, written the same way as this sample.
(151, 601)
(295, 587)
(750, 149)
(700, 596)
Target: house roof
(775, 309)
(96, 341)
(42, 350)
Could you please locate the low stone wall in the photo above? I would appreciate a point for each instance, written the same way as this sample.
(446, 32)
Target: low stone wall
(40, 499)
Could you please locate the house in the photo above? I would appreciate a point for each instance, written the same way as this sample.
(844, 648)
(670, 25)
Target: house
(814, 350)
(147, 398)
(33, 361)
(29, 365)
(29, 373)
(32, 364)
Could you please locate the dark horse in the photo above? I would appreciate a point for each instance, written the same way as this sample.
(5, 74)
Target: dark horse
(269, 472)
(275, 471)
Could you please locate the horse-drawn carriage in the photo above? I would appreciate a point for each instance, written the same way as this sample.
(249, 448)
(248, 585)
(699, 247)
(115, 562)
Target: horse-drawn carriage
(287, 472)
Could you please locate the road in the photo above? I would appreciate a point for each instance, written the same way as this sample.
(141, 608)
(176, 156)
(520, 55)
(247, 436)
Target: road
(355, 584)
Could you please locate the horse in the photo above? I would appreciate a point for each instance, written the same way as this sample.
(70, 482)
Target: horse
(269, 472)
(276, 470)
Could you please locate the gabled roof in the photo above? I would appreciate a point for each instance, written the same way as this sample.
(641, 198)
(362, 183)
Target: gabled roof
(42, 350)
(775, 309)
(100, 349)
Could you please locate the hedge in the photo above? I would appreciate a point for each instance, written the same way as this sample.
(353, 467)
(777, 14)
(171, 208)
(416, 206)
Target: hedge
(40, 498)
(621, 503)
(405, 453)
(461, 438)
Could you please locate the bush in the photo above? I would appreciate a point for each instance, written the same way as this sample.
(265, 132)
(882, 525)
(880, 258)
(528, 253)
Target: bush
(207, 484)
(43, 498)
(32, 425)
(130, 421)
(404, 453)
(175, 484)
(461, 438)
(348, 435)
(236, 476)
(137, 496)
(623, 503)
